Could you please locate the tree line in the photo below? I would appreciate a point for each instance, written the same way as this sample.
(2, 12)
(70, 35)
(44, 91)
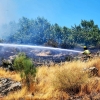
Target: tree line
(41, 32)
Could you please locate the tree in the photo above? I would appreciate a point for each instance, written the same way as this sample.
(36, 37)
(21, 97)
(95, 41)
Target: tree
(86, 33)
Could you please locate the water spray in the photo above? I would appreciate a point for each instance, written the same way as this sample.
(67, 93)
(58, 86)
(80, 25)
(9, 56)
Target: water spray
(38, 47)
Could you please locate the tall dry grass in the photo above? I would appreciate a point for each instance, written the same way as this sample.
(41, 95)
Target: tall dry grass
(7, 74)
(94, 63)
(17, 95)
(67, 78)
(20, 94)
(57, 82)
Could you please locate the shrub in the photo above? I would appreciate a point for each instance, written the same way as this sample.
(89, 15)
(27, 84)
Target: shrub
(25, 66)
(51, 43)
(69, 79)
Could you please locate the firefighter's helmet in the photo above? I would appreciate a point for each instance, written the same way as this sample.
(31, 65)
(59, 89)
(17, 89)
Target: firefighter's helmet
(84, 47)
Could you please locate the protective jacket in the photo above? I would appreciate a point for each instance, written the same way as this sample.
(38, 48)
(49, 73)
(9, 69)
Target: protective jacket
(86, 52)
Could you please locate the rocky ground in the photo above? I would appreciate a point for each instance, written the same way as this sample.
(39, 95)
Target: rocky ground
(7, 85)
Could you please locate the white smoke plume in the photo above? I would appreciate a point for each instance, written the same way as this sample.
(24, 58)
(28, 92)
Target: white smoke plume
(7, 14)
(7, 11)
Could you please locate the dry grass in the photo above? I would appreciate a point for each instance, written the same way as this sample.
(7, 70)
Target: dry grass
(7, 74)
(94, 63)
(59, 81)
(66, 78)
(16, 95)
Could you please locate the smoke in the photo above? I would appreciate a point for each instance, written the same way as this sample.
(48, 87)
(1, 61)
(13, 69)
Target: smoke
(39, 54)
(7, 11)
(7, 14)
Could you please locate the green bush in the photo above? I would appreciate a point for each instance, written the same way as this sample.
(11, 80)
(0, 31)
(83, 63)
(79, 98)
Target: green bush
(25, 66)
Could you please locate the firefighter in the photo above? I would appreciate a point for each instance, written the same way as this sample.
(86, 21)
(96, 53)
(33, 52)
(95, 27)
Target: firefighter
(86, 52)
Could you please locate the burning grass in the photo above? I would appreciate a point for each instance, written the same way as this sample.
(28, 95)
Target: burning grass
(59, 81)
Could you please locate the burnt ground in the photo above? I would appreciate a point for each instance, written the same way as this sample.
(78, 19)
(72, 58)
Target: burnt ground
(39, 55)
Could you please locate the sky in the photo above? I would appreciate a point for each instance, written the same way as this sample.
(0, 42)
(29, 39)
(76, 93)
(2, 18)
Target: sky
(63, 12)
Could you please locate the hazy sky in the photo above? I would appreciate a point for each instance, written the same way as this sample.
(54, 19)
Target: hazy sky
(63, 12)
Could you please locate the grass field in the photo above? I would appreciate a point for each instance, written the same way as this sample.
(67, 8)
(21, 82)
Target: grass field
(57, 82)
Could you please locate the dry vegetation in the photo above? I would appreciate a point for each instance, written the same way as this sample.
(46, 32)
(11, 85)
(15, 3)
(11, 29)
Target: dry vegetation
(7, 74)
(57, 82)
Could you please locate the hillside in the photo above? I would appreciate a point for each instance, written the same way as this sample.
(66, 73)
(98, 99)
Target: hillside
(64, 81)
